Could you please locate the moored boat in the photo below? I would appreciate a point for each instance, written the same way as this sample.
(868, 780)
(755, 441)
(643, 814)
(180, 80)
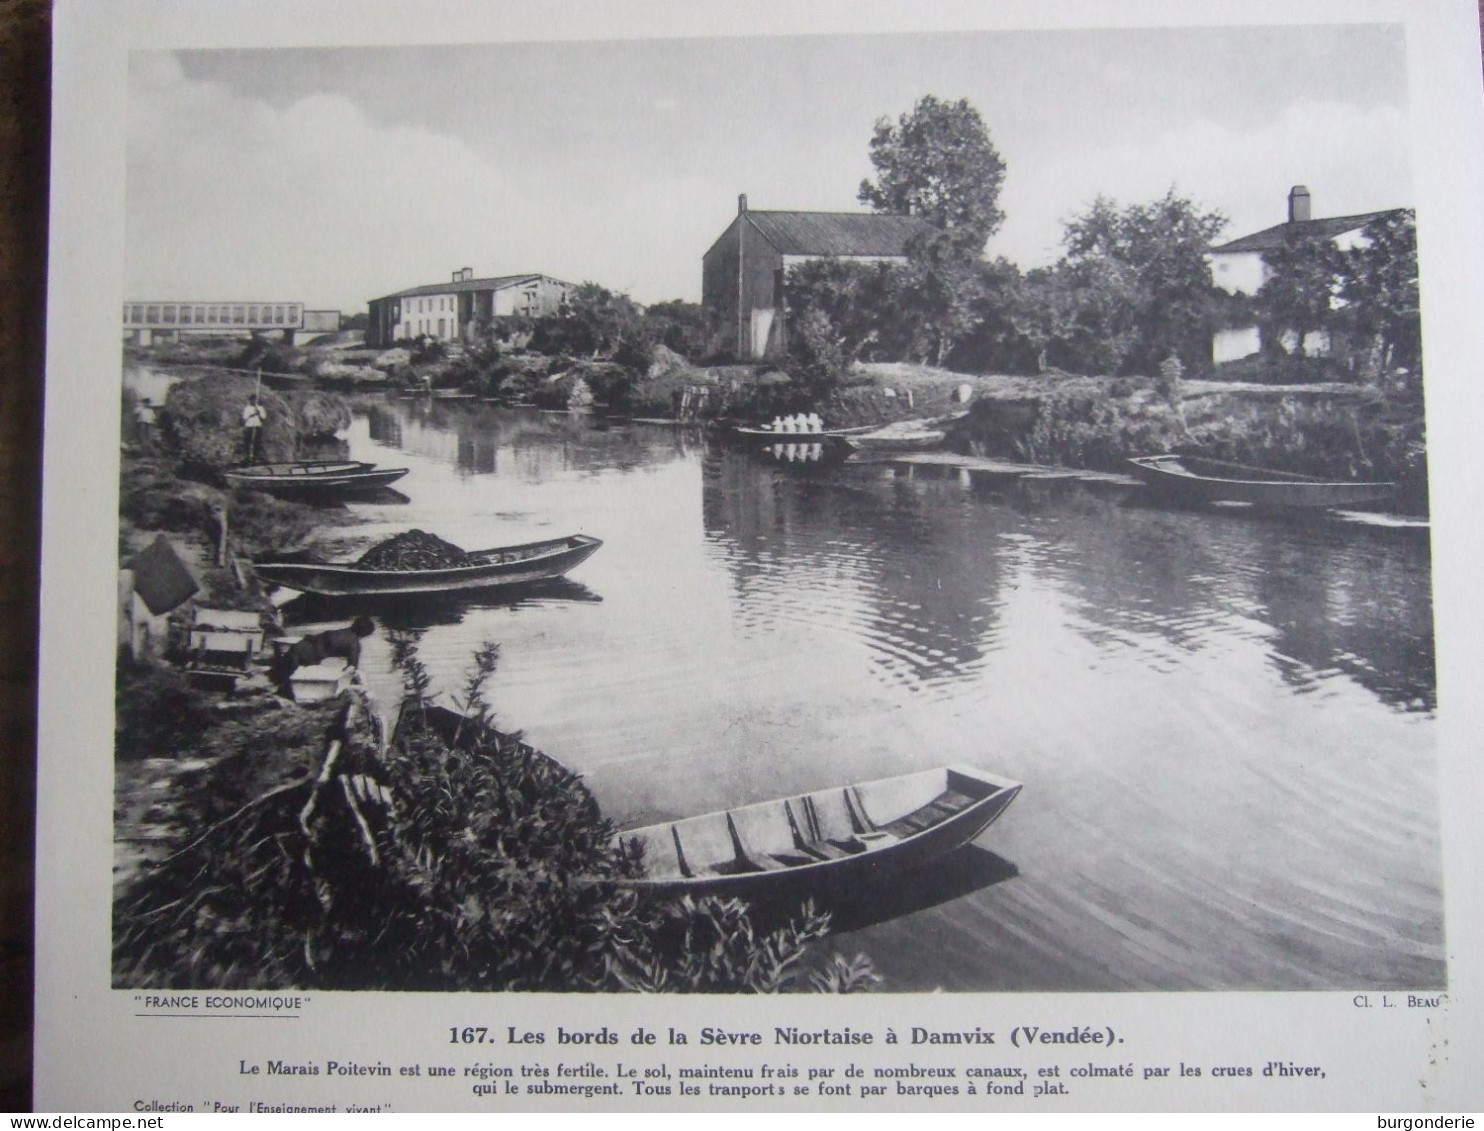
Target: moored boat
(485, 569)
(772, 435)
(824, 839)
(891, 439)
(303, 477)
(1200, 480)
(905, 435)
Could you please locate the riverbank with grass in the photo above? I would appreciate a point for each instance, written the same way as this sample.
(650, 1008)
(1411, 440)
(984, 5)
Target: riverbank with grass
(1333, 430)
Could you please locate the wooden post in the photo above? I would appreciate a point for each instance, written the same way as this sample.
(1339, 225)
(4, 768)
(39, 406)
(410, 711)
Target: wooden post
(219, 512)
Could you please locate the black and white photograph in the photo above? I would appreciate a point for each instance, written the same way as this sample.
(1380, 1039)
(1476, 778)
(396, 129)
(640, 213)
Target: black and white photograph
(819, 513)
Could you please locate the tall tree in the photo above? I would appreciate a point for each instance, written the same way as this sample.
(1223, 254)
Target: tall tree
(941, 287)
(1297, 298)
(937, 162)
(1142, 271)
(1380, 290)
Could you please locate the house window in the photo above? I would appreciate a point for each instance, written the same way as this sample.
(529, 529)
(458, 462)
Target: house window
(169, 314)
(200, 315)
(154, 314)
(139, 314)
(239, 315)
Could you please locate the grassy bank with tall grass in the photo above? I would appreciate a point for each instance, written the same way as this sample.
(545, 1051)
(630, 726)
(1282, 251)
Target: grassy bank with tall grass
(1334, 430)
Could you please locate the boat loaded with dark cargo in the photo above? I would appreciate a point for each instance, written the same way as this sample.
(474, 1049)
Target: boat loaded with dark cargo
(833, 837)
(478, 569)
(308, 477)
(1198, 480)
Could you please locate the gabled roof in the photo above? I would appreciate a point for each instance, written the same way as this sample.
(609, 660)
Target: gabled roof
(1330, 227)
(836, 233)
(495, 283)
(160, 577)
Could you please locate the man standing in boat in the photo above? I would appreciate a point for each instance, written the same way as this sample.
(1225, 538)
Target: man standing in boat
(254, 416)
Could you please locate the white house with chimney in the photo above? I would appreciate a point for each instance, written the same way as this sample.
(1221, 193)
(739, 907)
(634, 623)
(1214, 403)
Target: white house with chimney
(455, 310)
(1240, 267)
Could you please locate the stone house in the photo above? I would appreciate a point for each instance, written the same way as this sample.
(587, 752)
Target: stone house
(742, 274)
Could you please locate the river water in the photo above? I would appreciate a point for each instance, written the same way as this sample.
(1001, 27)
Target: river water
(1224, 722)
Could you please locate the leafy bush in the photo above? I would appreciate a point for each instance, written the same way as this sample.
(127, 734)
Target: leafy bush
(463, 860)
(816, 357)
(679, 326)
(270, 356)
(598, 323)
(157, 713)
(153, 498)
(261, 524)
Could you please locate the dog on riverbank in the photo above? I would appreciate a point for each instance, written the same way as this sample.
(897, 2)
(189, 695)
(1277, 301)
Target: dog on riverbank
(320, 646)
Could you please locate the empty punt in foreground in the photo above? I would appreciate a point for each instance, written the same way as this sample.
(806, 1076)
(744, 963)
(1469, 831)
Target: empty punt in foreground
(835, 836)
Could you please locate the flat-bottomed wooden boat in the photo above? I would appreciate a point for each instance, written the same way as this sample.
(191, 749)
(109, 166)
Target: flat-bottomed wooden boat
(769, 435)
(487, 569)
(905, 435)
(1199, 480)
(826, 839)
(305, 477)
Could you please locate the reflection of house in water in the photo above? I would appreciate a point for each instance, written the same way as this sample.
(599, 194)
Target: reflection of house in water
(1361, 609)
(863, 555)
(1320, 600)
(471, 438)
(925, 570)
(385, 425)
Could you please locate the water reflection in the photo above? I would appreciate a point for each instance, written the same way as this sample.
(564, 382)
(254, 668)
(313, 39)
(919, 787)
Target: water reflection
(914, 558)
(421, 611)
(1223, 721)
(474, 437)
(858, 558)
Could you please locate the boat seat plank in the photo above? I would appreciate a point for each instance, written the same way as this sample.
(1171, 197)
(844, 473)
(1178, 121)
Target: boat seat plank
(707, 844)
(762, 835)
(829, 850)
(935, 812)
(660, 855)
(773, 861)
(766, 863)
(828, 817)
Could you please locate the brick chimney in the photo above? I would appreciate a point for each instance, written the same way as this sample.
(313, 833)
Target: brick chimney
(1298, 205)
(741, 204)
